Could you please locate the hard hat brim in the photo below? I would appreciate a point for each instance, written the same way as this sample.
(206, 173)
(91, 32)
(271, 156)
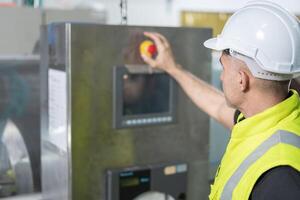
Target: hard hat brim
(214, 44)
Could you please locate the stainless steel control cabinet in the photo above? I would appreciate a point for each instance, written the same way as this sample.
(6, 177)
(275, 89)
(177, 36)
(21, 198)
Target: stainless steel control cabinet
(79, 142)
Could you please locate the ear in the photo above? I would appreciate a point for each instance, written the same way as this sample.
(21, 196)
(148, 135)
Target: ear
(244, 80)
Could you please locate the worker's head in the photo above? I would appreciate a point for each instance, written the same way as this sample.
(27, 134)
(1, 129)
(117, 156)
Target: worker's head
(238, 80)
(261, 47)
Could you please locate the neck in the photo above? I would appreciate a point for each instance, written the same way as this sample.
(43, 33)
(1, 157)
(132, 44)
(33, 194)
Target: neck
(257, 103)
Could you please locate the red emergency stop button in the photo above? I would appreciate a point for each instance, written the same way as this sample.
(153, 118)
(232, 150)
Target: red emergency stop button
(148, 48)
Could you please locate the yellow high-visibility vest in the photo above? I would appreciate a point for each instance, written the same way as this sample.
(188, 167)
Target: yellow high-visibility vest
(257, 144)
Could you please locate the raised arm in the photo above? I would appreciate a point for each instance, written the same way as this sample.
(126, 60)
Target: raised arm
(205, 96)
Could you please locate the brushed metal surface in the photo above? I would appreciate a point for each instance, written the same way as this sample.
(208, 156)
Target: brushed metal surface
(86, 53)
(20, 123)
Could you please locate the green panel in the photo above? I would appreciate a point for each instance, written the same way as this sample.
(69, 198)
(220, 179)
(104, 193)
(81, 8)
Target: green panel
(96, 146)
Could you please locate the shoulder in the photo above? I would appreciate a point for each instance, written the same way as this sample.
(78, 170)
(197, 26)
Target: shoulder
(281, 182)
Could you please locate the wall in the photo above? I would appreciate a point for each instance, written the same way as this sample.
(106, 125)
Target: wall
(20, 26)
(19, 30)
(167, 12)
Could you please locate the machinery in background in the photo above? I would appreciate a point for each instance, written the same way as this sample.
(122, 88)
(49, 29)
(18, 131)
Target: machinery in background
(159, 182)
(20, 94)
(19, 125)
(20, 147)
(103, 109)
(16, 170)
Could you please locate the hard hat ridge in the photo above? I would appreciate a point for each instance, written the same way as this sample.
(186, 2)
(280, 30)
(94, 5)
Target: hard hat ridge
(266, 33)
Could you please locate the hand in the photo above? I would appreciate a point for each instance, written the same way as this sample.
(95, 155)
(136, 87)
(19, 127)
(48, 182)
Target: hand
(164, 59)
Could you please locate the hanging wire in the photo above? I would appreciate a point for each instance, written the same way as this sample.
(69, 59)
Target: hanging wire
(123, 7)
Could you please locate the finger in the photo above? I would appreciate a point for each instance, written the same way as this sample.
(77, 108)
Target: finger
(158, 42)
(158, 36)
(154, 37)
(149, 34)
(148, 60)
(163, 39)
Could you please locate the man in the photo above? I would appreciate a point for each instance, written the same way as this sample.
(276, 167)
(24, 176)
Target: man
(260, 47)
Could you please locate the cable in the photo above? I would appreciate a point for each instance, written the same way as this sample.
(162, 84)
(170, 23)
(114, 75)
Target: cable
(123, 7)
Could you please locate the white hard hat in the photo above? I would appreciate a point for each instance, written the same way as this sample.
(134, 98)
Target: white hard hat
(266, 33)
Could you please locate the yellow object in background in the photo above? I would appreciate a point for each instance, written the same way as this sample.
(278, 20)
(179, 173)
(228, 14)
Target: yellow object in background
(213, 20)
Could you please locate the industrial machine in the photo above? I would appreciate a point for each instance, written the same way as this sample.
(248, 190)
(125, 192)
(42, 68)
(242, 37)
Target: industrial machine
(112, 127)
(20, 131)
(20, 154)
(160, 181)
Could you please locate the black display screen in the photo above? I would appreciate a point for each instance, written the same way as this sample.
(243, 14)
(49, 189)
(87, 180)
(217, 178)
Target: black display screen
(133, 183)
(145, 94)
(142, 98)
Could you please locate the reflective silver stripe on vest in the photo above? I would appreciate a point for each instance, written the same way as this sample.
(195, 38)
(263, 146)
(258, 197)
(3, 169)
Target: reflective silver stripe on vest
(279, 137)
